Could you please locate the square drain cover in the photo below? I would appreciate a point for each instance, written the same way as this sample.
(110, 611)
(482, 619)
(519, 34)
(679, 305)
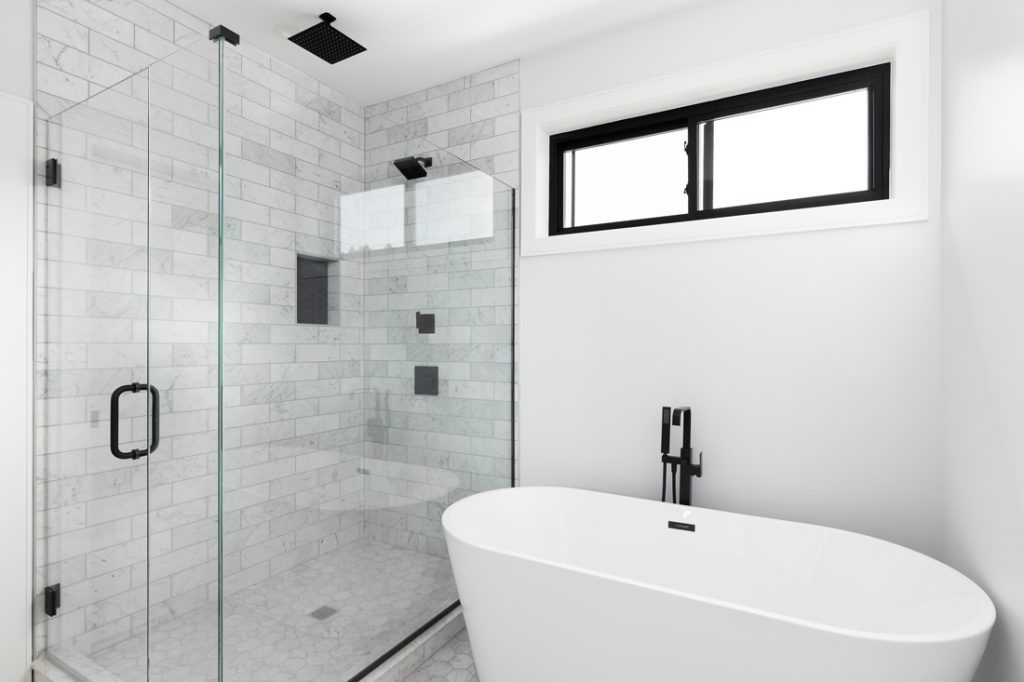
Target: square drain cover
(324, 612)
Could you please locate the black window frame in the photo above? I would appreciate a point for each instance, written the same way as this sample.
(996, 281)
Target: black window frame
(875, 79)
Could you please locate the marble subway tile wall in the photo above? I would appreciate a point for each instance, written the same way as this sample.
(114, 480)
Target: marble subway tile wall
(140, 170)
(440, 245)
(91, 257)
(475, 118)
(83, 47)
(181, 234)
(91, 263)
(136, 194)
(294, 445)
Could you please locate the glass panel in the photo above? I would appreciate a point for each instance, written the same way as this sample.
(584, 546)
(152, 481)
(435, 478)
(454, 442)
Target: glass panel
(458, 207)
(91, 507)
(183, 210)
(128, 297)
(294, 420)
(806, 149)
(642, 177)
(425, 451)
(336, 471)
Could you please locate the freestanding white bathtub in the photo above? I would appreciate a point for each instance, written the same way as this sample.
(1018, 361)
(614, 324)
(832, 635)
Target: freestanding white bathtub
(567, 585)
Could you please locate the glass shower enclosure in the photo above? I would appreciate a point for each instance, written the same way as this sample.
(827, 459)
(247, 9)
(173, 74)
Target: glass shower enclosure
(266, 364)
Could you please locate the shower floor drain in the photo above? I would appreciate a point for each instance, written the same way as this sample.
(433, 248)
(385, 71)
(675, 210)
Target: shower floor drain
(323, 613)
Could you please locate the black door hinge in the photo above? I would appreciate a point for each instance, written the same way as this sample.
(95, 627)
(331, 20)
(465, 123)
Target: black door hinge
(51, 597)
(52, 173)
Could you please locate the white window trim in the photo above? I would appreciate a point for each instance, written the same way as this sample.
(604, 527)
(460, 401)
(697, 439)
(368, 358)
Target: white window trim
(904, 42)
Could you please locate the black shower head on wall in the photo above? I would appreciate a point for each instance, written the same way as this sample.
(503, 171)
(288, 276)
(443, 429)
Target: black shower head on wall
(327, 42)
(413, 167)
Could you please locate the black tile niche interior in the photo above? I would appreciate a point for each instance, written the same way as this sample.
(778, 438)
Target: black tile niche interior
(313, 285)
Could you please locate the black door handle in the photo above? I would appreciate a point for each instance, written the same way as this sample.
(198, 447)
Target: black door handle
(115, 398)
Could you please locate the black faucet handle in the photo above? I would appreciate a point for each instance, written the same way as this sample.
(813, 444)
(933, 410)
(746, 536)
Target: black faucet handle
(698, 468)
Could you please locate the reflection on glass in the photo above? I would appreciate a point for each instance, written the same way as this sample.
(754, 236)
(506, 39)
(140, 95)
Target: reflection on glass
(374, 219)
(447, 209)
(807, 149)
(454, 208)
(642, 177)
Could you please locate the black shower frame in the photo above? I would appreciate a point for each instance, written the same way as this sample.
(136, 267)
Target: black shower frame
(876, 79)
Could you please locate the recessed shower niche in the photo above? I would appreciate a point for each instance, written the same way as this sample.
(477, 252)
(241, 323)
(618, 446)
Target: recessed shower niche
(316, 290)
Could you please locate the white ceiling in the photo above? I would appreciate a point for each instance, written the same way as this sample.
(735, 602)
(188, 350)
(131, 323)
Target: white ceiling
(414, 44)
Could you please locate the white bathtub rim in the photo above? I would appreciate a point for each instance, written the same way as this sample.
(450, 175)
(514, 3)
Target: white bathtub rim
(977, 627)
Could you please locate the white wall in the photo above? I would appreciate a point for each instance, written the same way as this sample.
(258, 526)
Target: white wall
(811, 360)
(16, 35)
(15, 282)
(983, 312)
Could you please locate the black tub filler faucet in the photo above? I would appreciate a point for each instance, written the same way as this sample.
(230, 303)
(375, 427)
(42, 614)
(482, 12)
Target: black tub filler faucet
(683, 466)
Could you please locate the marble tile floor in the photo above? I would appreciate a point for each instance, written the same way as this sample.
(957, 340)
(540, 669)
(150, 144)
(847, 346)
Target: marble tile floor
(451, 663)
(381, 592)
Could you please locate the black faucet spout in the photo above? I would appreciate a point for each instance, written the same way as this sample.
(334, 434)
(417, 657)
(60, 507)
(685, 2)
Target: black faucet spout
(685, 413)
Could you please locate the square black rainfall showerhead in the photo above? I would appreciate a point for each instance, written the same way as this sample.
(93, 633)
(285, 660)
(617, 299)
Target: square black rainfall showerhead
(327, 42)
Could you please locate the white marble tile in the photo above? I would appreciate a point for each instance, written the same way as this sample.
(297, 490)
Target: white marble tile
(62, 29)
(380, 593)
(92, 16)
(451, 663)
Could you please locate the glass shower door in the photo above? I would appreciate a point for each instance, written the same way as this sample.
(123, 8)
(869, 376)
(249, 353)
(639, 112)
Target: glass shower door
(96, 427)
(127, 452)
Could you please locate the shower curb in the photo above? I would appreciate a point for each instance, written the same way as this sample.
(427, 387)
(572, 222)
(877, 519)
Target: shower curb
(47, 671)
(54, 667)
(395, 669)
(403, 663)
